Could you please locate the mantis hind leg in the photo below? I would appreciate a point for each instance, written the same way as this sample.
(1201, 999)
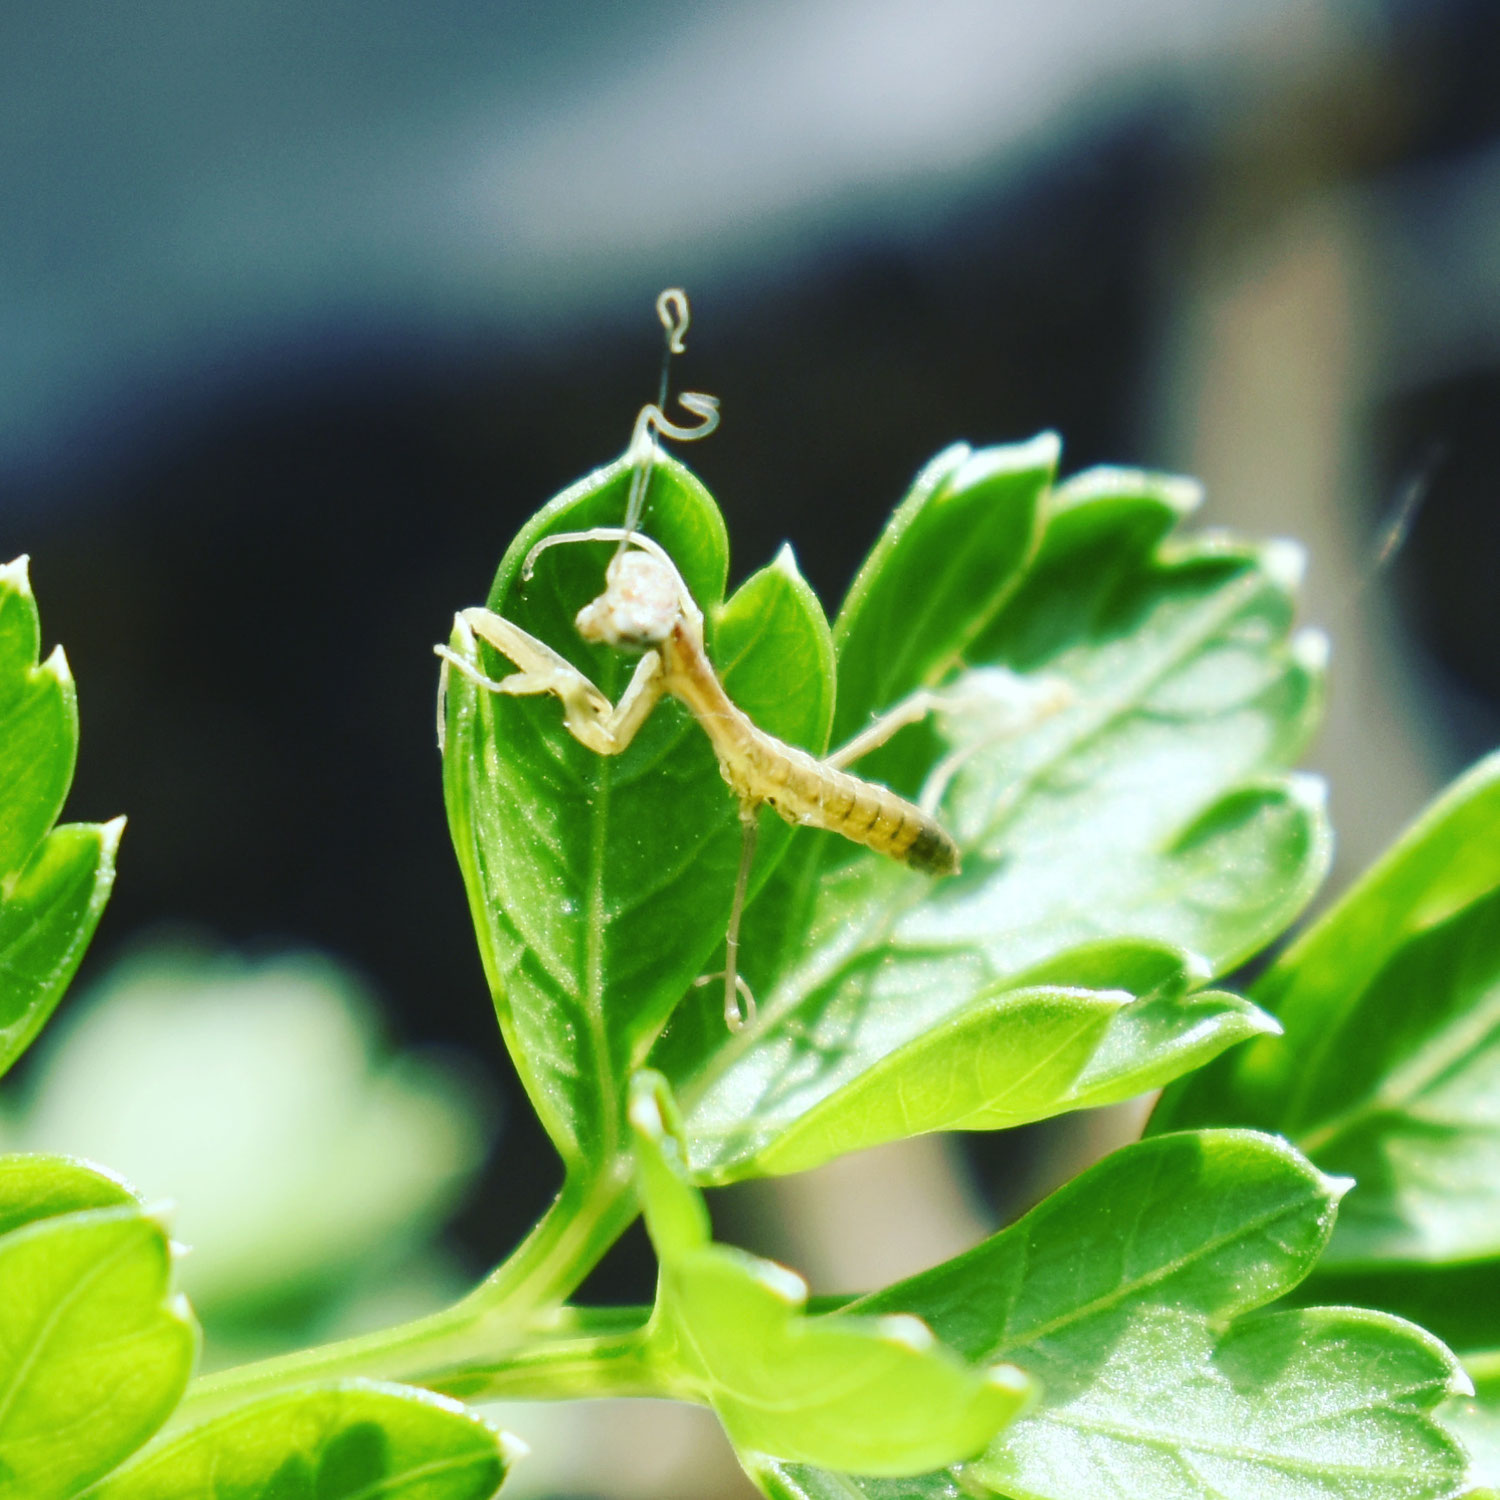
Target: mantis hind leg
(909, 710)
(1000, 701)
(735, 987)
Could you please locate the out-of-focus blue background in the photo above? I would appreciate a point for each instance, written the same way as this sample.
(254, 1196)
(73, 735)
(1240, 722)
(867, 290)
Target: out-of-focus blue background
(303, 308)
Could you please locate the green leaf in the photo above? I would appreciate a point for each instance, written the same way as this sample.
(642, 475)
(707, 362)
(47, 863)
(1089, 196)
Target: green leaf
(42, 1187)
(601, 886)
(1150, 814)
(353, 1441)
(38, 724)
(1458, 1303)
(873, 1395)
(954, 551)
(47, 918)
(803, 1482)
(1130, 1295)
(1475, 1422)
(1390, 1066)
(95, 1350)
(53, 886)
(1030, 1048)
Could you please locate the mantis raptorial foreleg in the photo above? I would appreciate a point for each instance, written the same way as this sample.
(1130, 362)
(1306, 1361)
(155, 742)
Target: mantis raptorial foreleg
(589, 716)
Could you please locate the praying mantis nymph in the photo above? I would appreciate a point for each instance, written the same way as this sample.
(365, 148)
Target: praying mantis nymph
(646, 607)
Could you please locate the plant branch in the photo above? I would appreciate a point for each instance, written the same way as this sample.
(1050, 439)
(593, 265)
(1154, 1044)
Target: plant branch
(514, 1308)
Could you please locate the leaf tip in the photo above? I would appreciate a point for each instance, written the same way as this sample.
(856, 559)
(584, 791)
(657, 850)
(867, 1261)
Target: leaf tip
(1308, 791)
(1180, 492)
(56, 666)
(512, 1449)
(16, 574)
(1040, 454)
(1011, 1379)
(1309, 649)
(1284, 563)
(1197, 968)
(1336, 1186)
(1260, 1022)
(461, 637)
(908, 1331)
(785, 561)
(1045, 448)
(646, 1109)
(784, 1283)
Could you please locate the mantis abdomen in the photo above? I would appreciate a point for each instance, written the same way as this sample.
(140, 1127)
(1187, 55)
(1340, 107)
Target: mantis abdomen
(803, 789)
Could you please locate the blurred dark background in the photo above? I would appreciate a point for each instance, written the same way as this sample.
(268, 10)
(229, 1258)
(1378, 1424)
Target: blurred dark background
(303, 309)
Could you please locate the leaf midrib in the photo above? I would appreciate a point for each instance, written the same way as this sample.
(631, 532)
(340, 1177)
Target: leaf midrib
(1228, 602)
(1205, 1248)
(1268, 1458)
(593, 997)
(1397, 1089)
(49, 1325)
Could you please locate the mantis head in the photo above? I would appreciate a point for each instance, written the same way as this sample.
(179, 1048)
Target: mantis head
(640, 606)
(644, 598)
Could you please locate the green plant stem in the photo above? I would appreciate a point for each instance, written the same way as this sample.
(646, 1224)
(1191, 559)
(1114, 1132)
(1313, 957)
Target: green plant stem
(567, 1242)
(514, 1308)
(618, 1363)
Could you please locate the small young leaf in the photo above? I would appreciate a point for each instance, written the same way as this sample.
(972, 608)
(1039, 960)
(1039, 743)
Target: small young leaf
(1024, 1051)
(871, 1395)
(47, 918)
(52, 886)
(1475, 1422)
(953, 552)
(42, 1187)
(95, 1350)
(601, 885)
(353, 1441)
(1126, 1294)
(1390, 1066)
(1459, 1303)
(38, 724)
(1150, 806)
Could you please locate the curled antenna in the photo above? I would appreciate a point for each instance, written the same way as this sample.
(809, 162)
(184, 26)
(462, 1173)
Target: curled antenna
(675, 314)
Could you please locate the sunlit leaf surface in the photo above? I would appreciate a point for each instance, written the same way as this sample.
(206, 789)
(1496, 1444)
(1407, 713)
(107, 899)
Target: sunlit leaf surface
(871, 1395)
(1131, 1294)
(1389, 1070)
(53, 886)
(95, 1349)
(1121, 710)
(355, 1441)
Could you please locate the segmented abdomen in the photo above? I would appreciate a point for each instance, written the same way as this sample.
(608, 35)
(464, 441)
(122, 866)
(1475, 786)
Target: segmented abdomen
(800, 787)
(804, 790)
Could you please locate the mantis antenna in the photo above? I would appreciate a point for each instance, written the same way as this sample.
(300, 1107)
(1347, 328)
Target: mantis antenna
(675, 315)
